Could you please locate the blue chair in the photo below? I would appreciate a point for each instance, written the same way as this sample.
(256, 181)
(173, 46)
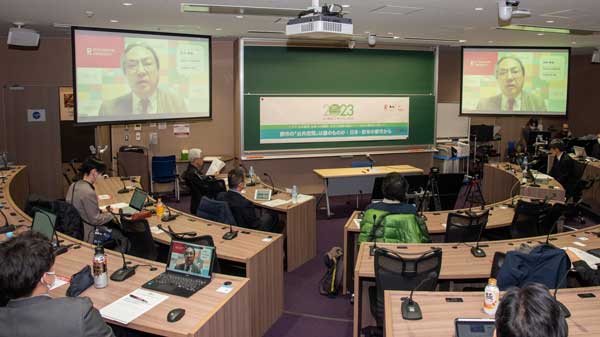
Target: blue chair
(361, 164)
(215, 210)
(164, 171)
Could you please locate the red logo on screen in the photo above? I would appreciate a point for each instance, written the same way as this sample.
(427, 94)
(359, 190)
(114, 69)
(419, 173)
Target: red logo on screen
(479, 63)
(94, 51)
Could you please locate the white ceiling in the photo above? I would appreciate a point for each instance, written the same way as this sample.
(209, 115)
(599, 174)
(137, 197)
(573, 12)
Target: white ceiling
(446, 19)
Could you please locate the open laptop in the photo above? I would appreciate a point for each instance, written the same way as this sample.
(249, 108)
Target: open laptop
(137, 202)
(43, 223)
(466, 327)
(189, 269)
(579, 152)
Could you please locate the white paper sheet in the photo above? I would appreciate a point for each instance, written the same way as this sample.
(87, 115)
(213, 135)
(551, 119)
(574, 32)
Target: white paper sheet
(127, 308)
(215, 167)
(276, 202)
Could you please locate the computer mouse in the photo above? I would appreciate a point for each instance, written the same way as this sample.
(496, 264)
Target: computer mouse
(175, 315)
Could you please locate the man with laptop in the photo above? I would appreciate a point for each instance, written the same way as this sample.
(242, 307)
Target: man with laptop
(189, 269)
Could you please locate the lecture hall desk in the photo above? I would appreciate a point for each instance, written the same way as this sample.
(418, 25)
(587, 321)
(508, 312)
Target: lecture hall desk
(498, 183)
(260, 253)
(438, 315)
(208, 313)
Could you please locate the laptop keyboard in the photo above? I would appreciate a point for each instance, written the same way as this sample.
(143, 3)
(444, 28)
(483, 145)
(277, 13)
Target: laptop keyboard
(180, 281)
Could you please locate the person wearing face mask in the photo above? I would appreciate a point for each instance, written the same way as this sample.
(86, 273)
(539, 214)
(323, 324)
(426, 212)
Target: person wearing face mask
(596, 148)
(26, 276)
(82, 195)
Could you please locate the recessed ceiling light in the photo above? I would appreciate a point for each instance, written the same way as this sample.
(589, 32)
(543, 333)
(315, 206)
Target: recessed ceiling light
(462, 41)
(396, 37)
(574, 42)
(114, 21)
(219, 29)
(490, 41)
(345, 6)
(390, 33)
(127, 4)
(540, 34)
(478, 8)
(550, 21)
(239, 16)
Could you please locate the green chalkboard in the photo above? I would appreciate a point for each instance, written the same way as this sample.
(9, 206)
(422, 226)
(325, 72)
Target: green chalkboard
(296, 71)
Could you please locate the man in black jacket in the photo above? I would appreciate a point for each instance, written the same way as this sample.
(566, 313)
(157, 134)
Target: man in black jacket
(586, 275)
(196, 181)
(244, 212)
(563, 167)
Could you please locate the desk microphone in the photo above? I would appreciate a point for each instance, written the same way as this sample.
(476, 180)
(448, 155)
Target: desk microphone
(563, 308)
(7, 226)
(374, 231)
(410, 309)
(124, 272)
(371, 160)
(231, 234)
(168, 217)
(273, 191)
(124, 189)
(560, 219)
(512, 190)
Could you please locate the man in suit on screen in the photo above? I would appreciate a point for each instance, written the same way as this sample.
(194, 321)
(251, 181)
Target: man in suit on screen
(510, 76)
(141, 67)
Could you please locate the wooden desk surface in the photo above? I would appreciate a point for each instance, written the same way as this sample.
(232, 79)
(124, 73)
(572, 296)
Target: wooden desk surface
(365, 171)
(206, 311)
(438, 315)
(245, 246)
(502, 179)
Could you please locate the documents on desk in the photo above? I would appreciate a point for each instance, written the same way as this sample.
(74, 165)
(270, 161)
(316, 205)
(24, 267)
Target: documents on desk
(276, 202)
(116, 206)
(590, 259)
(131, 306)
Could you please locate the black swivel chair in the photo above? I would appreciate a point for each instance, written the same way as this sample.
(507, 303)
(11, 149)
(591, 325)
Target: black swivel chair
(141, 242)
(400, 272)
(215, 210)
(529, 219)
(466, 227)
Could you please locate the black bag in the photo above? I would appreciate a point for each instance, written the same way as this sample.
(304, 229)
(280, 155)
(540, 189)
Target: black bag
(331, 283)
(80, 281)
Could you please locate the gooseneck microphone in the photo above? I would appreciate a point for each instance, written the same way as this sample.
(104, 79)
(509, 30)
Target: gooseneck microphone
(563, 308)
(371, 160)
(273, 191)
(124, 272)
(7, 226)
(231, 234)
(168, 217)
(124, 189)
(410, 309)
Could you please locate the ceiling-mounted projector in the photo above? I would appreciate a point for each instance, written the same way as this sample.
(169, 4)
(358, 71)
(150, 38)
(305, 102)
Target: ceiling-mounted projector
(320, 22)
(509, 9)
(22, 37)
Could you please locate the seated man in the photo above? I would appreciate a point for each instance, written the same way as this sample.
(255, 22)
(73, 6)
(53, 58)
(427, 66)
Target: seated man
(564, 132)
(82, 195)
(596, 148)
(394, 188)
(244, 212)
(530, 311)
(195, 180)
(26, 276)
(563, 166)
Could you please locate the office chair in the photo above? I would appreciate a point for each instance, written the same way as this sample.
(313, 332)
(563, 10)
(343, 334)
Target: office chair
(400, 272)
(465, 227)
(141, 243)
(529, 219)
(215, 210)
(164, 171)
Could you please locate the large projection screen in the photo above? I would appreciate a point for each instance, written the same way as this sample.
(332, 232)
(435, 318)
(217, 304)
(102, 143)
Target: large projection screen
(130, 76)
(515, 81)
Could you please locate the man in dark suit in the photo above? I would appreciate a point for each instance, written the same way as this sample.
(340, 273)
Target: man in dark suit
(596, 148)
(26, 276)
(189, 265)
(563, 167)
(141, 66)
(244, 212)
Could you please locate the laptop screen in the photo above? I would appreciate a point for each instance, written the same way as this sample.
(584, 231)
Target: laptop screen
(191, 259)
(474, 327)
(43, 223)
(138, 199)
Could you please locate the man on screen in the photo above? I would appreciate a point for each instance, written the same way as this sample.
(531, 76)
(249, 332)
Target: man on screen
(510, 76)
(141, 67)
(189, 265)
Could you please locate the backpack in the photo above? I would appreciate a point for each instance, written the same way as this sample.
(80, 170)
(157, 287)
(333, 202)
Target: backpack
(330, 284)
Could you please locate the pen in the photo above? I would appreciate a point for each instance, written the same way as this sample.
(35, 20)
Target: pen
(138, 298)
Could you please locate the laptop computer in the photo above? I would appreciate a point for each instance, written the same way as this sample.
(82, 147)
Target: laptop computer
(189, 269)
(579, 152)
(43, 223)
(137, 202)
(466, 327)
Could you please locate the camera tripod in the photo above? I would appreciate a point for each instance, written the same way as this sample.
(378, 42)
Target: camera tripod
(432, 190)
(474, 194)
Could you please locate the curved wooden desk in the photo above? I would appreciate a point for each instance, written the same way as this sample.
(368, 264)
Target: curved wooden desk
(439, 315)
(259, 253)
(208, 313)
(501, 182)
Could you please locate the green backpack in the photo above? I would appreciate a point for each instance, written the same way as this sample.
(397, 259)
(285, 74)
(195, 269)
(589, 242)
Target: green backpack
(392, 228)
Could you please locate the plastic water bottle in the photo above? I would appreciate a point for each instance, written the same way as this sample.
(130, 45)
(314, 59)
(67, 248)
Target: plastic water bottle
(160, 208)
(100, 269)
(294, 194)
(525, 163)
(251, 172)
(491, 298)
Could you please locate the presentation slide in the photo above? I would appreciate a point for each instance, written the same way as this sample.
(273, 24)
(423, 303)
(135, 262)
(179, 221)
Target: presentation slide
(123, 76)
(332, 119)
(515, 81)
